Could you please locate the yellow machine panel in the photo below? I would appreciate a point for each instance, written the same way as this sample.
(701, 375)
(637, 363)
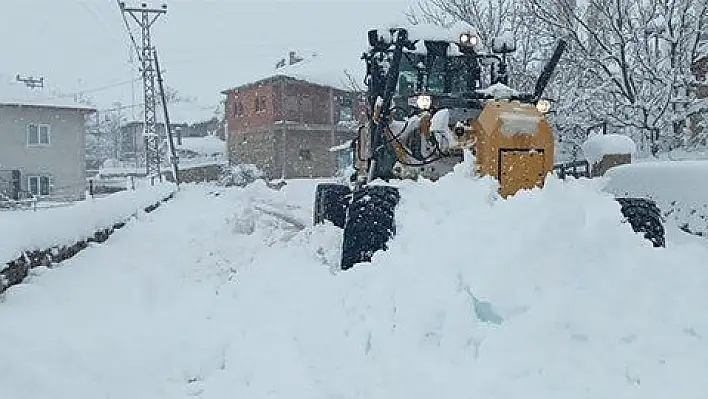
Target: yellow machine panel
(520, 169)
(514, 144)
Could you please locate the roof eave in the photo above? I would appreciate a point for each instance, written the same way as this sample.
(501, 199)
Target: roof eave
(277, 77)
(67, 108)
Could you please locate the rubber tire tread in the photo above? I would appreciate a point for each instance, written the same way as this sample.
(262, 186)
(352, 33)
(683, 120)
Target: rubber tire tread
(370, 224)
(645, 217)
(331, 203)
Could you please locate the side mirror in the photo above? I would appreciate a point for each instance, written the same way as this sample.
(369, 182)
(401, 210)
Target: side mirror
(503, 44)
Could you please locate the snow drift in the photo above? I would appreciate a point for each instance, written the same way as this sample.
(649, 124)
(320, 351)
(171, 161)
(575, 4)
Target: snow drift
(32, 230)
(545, 295)
(677, 187)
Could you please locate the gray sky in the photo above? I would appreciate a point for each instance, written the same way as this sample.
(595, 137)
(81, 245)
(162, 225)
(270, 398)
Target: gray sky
(204, 45)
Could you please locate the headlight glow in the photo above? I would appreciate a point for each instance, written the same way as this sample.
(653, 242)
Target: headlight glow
(467, 39)
(424, 102)
(543, 106)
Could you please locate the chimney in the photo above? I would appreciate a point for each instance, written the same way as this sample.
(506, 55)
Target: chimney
(294, 59)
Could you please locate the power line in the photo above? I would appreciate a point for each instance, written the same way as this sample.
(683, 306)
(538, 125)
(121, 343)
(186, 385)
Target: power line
(99, 89)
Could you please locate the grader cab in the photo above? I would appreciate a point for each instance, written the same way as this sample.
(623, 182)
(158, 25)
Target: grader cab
(429, 103)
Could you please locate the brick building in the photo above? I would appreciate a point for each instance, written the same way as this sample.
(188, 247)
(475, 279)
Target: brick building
(286, 123)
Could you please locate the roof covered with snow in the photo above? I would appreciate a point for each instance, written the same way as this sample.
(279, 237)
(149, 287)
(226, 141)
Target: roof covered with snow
(13, 92)
(316, 69)
(207, 145)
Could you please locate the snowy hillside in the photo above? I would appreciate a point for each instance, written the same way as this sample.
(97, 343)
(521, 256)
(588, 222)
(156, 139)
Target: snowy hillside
(546, 295)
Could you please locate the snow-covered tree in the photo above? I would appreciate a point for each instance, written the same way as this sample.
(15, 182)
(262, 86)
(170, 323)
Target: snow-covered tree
(103, 138)
(628, 66)
(633, 63)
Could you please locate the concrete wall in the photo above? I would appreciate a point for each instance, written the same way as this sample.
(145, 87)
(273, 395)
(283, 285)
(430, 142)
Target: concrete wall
(64, 159)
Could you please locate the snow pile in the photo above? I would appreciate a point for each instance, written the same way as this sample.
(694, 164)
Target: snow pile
(32, 230)
(678, 187)
(518, 123)
(316, 69)
(347, 145)
(600, 145)
(499, 91)
(502, 298)
(240, 175)
(545, 295)
(13, 92)
(205, 146)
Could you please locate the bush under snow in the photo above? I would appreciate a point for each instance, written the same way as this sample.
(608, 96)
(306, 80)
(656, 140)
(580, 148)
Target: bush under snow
(45, 228)
(240, 175)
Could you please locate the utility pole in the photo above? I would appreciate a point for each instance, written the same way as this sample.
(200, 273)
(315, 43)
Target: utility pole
(145, 18)
(174, 161)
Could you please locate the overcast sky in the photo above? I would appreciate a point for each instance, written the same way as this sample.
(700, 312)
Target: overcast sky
(204, 45)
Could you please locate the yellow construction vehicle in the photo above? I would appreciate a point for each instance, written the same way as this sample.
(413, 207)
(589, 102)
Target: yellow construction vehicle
(427, 104)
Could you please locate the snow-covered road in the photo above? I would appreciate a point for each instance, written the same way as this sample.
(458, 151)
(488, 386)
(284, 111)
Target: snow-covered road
(547, 295)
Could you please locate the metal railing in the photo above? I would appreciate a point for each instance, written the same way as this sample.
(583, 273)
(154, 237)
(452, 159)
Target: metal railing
(576, 169)
(25, 200)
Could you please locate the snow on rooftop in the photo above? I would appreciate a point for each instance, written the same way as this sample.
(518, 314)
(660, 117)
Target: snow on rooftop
(321, 70)
(13, 92)
(600, 145)
(207, 145)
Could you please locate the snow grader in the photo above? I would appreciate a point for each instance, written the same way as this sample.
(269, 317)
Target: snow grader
(428, 103)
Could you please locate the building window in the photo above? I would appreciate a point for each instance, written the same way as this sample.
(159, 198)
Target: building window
(38, 134)
(39, 186)
(306, 104)
(346, 114)
(305, 155)
(260, 104)
(238, 110)
(291, 103)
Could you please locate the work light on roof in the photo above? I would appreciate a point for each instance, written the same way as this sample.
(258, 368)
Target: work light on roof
(468, 39)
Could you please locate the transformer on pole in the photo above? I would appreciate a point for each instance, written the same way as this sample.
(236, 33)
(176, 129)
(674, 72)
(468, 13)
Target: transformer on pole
(145, 18)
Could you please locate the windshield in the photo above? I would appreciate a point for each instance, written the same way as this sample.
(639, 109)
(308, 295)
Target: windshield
(434, 74)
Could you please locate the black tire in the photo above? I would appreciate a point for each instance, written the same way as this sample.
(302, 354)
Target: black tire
(370, 223)
(331, 202)
(645, 217)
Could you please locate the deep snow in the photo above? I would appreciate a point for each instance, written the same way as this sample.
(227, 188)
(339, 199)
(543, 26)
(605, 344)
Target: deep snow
(545, 295)
(45, 228)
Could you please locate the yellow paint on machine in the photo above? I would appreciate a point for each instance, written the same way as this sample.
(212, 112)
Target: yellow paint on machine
(513, 143)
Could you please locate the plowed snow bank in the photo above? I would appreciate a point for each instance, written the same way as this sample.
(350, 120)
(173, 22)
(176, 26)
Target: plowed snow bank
(546, 295)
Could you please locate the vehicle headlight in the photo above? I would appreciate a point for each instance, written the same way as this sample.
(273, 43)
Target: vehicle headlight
(421, 101)
(424, 102)
(543, 106)
(467, 39)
